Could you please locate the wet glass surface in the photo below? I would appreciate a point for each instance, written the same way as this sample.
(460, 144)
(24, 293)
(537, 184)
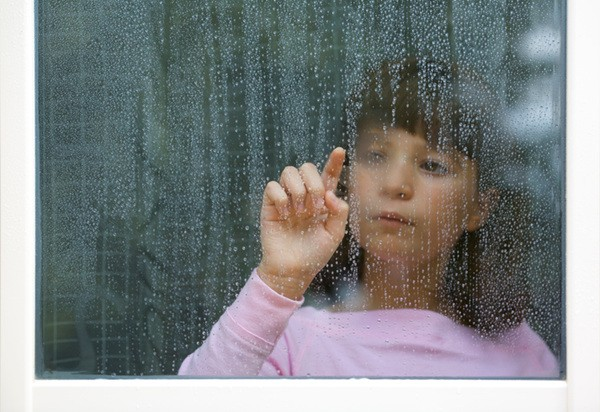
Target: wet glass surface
(161, 122)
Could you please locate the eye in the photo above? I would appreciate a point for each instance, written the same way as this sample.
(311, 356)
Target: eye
(373, 156)
(435, 167)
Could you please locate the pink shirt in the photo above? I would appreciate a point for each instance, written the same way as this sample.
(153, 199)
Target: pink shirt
(265, 334)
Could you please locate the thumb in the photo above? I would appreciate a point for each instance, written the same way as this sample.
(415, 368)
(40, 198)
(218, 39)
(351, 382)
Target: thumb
(338, 216)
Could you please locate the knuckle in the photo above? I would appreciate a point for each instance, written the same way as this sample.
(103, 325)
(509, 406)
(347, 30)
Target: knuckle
(298, 192)
(308, 167)
(289, 170)
(311, 177)
(317, 187)
(280, 201)
(273, 189)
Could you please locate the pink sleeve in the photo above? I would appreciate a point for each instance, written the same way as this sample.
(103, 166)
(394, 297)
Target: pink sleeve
(245, 335)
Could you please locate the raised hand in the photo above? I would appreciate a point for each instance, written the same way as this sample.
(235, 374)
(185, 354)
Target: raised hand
(302, 222)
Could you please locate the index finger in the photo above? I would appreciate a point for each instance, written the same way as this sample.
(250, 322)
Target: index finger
(333, 169)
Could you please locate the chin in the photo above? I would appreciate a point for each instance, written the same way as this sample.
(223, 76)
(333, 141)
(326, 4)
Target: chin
(388, 255)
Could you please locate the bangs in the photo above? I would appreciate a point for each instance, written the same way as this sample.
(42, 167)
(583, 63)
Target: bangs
(450, 108)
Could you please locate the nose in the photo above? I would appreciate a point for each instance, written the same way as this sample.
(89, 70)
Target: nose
(398, 181)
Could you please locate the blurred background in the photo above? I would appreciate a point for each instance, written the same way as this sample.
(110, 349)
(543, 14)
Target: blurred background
(161, 121)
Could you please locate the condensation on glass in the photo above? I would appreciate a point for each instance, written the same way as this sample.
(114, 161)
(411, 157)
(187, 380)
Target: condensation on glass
(160, 123)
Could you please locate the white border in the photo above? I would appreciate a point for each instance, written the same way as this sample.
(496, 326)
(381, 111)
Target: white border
(583, 205)
(20, 391)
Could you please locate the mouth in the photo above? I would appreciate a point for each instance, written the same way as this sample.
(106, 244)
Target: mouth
(393, 219)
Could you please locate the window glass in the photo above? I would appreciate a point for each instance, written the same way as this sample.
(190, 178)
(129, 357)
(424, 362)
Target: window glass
(161, 122)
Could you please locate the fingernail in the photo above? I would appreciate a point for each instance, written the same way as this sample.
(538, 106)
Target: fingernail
(319, 202)
(300, 206)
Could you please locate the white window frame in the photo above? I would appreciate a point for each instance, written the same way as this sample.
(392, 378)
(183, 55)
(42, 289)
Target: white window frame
(22, 391)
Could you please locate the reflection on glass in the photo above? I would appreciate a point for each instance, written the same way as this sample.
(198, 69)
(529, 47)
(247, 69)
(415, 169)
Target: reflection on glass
(162, 122)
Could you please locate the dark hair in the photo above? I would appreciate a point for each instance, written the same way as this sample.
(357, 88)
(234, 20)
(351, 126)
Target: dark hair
(452, 107)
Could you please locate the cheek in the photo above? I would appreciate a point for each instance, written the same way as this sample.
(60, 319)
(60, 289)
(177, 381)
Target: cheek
(362, 181)
(355, 216)
(359, 194)
(447, 210)
(359, 191)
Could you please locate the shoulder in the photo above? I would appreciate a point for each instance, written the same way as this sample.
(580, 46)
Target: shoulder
(522, 337)
(531, 349)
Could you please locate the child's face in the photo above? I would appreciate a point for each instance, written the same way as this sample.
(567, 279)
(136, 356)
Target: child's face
(410, 202)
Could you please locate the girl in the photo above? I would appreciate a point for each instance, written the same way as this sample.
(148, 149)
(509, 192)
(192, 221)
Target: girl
(428, 244)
